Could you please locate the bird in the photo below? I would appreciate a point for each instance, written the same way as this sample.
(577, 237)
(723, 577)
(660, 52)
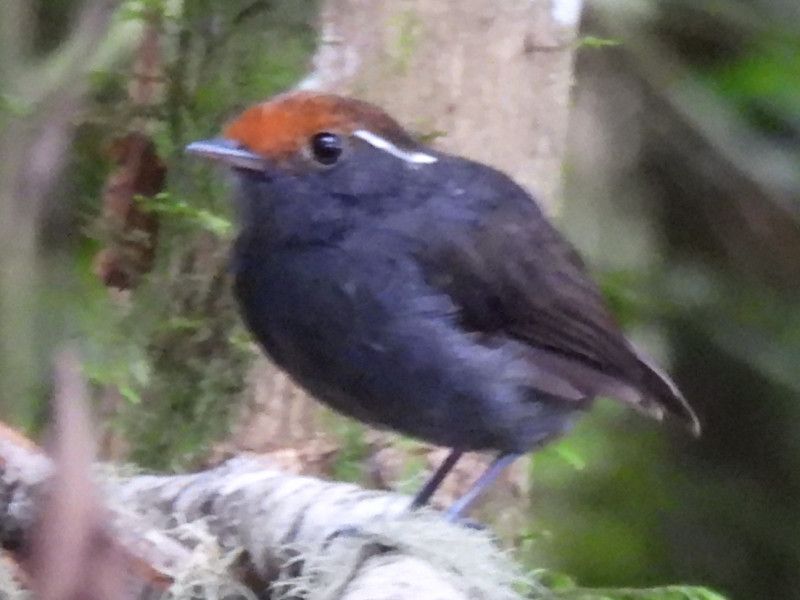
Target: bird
(417, 290)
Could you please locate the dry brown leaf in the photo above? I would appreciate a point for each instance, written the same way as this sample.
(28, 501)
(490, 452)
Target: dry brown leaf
(132, 231)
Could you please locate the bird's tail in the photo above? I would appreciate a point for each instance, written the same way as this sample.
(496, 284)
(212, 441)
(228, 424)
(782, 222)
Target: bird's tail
(665, 397)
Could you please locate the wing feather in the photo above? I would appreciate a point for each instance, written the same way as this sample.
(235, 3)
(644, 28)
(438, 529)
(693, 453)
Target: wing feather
(512, 274)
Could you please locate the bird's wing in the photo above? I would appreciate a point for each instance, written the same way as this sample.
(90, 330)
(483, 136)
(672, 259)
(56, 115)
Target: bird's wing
(511, 274)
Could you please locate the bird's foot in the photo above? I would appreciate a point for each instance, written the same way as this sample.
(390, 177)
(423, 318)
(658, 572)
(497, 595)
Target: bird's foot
(469, 523)
(345, 531)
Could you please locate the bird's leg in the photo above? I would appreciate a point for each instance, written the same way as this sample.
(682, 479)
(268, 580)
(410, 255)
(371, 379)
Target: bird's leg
(436, 479)
(419, 500)
(484, 481)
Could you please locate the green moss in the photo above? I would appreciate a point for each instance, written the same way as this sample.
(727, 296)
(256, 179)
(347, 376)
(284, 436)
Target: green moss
(348, 464)
(176, 353)
(196, 370)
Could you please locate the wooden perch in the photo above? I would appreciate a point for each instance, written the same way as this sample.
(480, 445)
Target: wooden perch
(293, 534)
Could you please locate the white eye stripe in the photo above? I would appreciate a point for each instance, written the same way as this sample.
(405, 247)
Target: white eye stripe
(420, 158)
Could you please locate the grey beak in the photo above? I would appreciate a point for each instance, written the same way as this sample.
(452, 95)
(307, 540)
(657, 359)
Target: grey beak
(227, 152)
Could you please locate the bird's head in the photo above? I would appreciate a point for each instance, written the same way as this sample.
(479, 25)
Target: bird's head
(301, 133)
(308, 163)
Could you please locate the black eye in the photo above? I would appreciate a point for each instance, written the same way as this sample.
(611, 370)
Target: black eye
(327, 147)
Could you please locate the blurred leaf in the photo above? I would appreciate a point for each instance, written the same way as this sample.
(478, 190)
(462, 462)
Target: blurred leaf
(571, 457)
(165, 204)
(14, 106)
(768, 73)
(554, 580)
(352, 451)
(591, 41)
(675, 592)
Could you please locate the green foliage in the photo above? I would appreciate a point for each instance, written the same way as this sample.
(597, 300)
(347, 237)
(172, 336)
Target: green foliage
(197, 370)
(560, 586)
(414, 466)
(177, 353)
(707, 205)
(12, 106)
(167, 206)
(766, 78)
(592, 41)
(659, 593)
(352, 447)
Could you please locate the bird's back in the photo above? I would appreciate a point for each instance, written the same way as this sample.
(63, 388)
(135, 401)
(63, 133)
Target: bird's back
(462, 319)
(513, 276)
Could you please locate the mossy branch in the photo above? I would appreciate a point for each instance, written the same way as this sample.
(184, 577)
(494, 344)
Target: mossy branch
(288, 533)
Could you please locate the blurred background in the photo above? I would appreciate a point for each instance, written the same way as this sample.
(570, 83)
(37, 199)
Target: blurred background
(672, 161)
